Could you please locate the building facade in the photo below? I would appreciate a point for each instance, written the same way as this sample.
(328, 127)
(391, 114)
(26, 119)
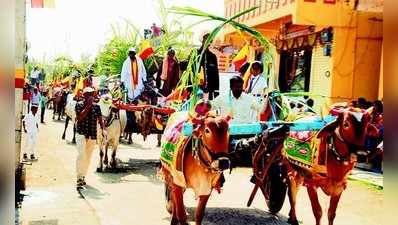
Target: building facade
(332, 48)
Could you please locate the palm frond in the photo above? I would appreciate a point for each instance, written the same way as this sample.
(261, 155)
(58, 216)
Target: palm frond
(269, 47)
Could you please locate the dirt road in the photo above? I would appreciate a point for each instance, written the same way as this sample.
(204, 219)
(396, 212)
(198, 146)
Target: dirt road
(135, 195)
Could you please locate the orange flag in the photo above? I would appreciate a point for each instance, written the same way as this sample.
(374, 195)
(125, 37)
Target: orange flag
(42, 3)
(146, 50)
(241, 57)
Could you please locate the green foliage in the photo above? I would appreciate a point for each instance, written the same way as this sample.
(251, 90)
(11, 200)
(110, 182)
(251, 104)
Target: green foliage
(61, 67)
(175, 35)
(110, 59)
(269, 48)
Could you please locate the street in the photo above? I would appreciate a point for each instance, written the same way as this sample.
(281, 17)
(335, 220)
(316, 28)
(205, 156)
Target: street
(136, 196)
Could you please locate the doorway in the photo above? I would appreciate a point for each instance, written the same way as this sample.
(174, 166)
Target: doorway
(295, 70)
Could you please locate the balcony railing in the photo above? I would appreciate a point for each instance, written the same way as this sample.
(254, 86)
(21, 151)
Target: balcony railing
(264, 7)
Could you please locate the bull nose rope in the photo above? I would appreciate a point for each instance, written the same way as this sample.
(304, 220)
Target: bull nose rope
(352, 148)
(197, 143)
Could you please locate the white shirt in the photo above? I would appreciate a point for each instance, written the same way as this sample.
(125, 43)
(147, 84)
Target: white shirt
(126, 75)
(35, 74)
(35, 98)
(258, 85)
(31, 123)
(243, 110)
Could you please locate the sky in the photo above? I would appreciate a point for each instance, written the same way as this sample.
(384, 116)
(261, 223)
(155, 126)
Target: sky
(81, 27)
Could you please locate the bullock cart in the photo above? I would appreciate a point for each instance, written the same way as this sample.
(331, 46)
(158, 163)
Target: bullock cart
(150, 119)
(269, 173)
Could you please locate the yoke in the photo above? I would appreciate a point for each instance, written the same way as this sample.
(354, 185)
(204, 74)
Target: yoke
(259, 127)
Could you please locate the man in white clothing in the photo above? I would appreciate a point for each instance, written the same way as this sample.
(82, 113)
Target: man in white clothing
(35, 100)
(34, 76)
(241, 106)
(257, 83)
(257, 86)
(31, 125)
(133, 75)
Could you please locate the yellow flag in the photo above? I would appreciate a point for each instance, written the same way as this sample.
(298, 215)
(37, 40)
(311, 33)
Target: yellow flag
(146, 49)
(241, 57)
(201, 76)
(242, 54)
(49, 4)
(79, 85)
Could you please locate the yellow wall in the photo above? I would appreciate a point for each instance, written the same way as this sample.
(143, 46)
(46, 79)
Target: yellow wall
(261, 15)
(356, 56)
(320, 14)
(320, 84)
(355, 64)
(343, 58)
(381, 77)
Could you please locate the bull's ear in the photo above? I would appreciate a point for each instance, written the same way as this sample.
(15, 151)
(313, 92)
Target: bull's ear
(372, 130)
(369, 111)
(330, 127)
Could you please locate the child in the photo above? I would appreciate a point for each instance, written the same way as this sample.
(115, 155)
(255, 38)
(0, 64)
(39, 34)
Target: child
(31, 125)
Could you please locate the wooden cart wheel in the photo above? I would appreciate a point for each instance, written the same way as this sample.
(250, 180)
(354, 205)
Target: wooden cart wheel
(274, 185)
(276, 188)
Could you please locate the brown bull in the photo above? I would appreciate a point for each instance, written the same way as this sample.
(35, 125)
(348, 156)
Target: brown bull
(202, 167)
(340, 141)
(147, 123)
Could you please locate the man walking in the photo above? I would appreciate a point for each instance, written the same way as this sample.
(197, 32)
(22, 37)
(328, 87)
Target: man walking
(31, 126)
(35, 100)
(34, 76)
(26, 97)
(43, 103)
(87, 116)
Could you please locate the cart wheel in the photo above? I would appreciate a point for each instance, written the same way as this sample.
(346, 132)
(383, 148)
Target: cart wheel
(169, 202)
(276, 188)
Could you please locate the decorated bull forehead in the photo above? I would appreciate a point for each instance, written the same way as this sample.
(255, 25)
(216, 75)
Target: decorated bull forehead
(107, 98)
(202, 107)
(357, 115)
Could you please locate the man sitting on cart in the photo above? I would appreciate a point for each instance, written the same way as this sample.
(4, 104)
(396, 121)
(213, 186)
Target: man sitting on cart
(242, 107)
(132, 77)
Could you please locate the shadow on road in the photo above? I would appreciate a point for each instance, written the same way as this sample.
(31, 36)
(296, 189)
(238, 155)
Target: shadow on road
(143, 167)
(92, 192)
(233, 216)
(135, 145)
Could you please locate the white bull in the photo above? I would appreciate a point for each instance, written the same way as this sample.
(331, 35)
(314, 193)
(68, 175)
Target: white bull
(70, 115)
(115, 121)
